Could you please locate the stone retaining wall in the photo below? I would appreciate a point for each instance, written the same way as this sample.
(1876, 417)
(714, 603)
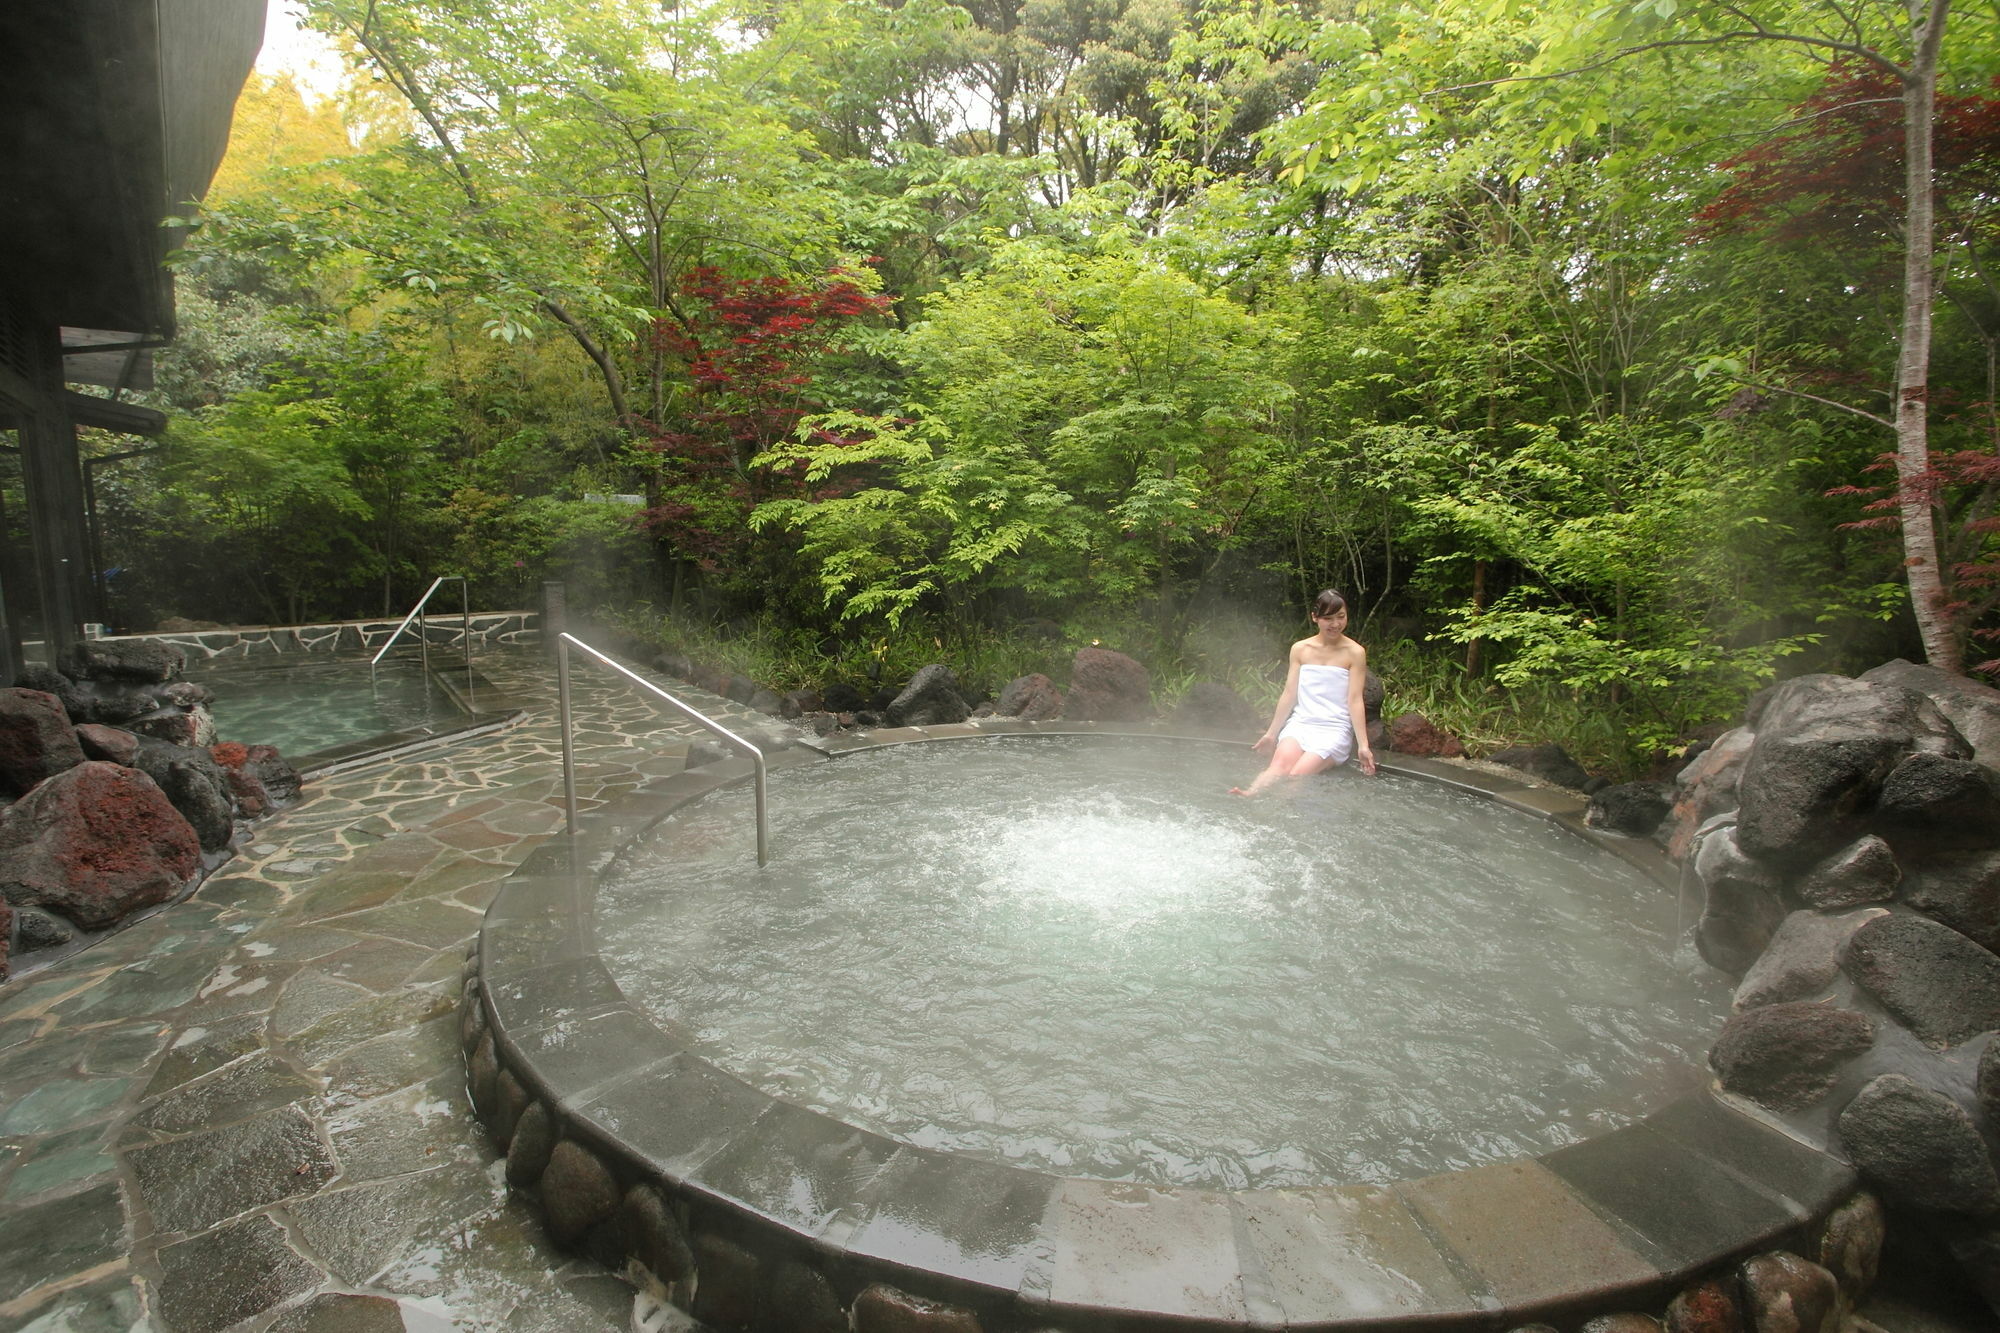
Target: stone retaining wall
(489, 629)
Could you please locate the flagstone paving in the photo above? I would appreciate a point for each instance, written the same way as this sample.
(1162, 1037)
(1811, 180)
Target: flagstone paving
(249, 1109)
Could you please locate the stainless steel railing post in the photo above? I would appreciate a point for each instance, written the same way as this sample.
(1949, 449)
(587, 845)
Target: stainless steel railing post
(568, 746)
(564, 642)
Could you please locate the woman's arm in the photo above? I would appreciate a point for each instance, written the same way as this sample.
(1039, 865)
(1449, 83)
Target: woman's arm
(1357, 710)
(1286, 698)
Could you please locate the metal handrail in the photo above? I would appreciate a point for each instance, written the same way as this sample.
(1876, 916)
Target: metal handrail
(423, 639)
(563, 642)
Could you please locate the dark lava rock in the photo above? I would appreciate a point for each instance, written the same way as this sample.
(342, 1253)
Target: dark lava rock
(768, 701)
(112, 744)
(798, 703)
(1938, 983)
(1865, 871)
(1976, 1247)
(280, 781)
(510, 1099)
(95, 843)
(867, 718)
(36, 741)
(1213, 709)
(1107, 687)
(675, 664)
(1550, 763)
(657, 1241)
(1973, 708)
(1707, 1307)
(577, 1191)
(726, 1289)
(1919, 1146)
(1633, 808)
(1626, 1322)
(1032, 698)
(1786, 1056)
(1802, 959)
(1413, 733)
(797, 1298)
(482, 1077)
(883, 1309)
(1824, 746)
(1705, 788)
(740, 689)
(1961, 891)
(1372, 692)
(930, 699)
(196, 784)
(529, 1150)
(1741, 908)
(1850, 1243)
(6, 936)
(884, 695)
(35, 676)
(193, 726)
(821, 724)
(840, 697)
(1932, 800)
(1783, 1291)
(123, 659)
(1989, 1079)
(39, 930)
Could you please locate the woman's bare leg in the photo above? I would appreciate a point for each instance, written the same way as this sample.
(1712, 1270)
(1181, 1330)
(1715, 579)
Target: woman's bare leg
(1284, 761)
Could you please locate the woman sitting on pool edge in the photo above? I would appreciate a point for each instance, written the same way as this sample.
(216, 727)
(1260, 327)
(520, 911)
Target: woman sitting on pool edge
(1321, 699)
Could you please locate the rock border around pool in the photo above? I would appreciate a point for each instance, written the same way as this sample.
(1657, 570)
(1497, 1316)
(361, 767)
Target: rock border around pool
(753, 1212)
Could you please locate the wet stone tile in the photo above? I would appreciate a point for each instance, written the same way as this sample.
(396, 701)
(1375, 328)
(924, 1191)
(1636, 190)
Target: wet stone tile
(127, 1049)
(191, 1184)
(59, 1162)
(225, 1277)
(235, 1092)
(302, 944)
(427, 923)
(197, 1050)
(62, 1104)
(109, 1306)
(139, 991)
(47, 1241)
(341, 1312)
(1130, 1248)
(1349, 1254)
(310, 998)
(55, 1056)
(23, 998)
(349, 890)
(243, 893)
(396, 1061)
(451, 876)
(799, 1168)
(377, 964)
(242, 988)
(971, 1221)
(360, 1230)
(371, 1018)
(413, 1129)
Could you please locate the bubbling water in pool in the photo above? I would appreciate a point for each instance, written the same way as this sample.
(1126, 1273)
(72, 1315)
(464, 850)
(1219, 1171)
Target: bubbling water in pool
(1086, 959)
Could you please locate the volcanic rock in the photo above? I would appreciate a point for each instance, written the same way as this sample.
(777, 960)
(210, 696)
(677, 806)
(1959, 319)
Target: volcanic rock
(1938, 983)
(36, 741)
(1973, 708)
(123, 659)
(112, 744)
(798, 703)
(1372, 692)
(1930, 801)
(96, 843)
(197, 786)
(1032, 698)
(884, 1309)
(6, 936)
(1741, 907)
(840, 697)
(181, 726)
(1786, 1056)
(1213, 709)
(528, 1151)
(1624, 1322)
(658, 1242)
(1920, 1146)
(1824, 746)
(577, 1191)
(1850, 1244)
(1705, 788)
(930, 699)
(35, 929)
(1989, 1079)
(1550, 763)
(1783, 1291)
(274, 773)
(1963, 892)
(1802, 959)
(726, 1294)
(1107, 687)
(1707, 1307)
(1633, 808)
(798, 1298)
(1413, 733)
(35, 676)
(1865, 871)
(768, 701)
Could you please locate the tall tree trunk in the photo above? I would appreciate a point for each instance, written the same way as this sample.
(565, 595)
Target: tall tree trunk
(1917, 488)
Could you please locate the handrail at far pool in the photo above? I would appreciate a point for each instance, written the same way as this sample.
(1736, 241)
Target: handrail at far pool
(423, 639)
(563, 643)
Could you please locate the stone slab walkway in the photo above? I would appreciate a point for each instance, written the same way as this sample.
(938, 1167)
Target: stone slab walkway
(249, 1110)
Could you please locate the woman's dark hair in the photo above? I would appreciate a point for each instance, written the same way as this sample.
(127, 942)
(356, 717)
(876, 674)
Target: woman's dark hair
(1328, 603)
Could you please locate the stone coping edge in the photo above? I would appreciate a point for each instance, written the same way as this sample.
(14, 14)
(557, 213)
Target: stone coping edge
(718, 1191)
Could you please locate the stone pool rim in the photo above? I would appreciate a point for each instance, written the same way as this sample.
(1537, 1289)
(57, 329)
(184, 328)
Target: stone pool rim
(1617, 1222)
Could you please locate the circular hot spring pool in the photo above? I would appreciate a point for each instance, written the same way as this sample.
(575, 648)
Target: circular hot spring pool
(1084, 957)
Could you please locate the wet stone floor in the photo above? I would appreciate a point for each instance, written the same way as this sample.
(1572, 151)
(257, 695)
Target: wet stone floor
(249, 1109)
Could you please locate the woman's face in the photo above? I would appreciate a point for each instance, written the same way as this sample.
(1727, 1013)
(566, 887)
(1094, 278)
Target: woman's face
(1331, 624)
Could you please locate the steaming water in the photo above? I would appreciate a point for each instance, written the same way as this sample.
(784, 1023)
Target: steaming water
(1086, 958)
(304, 703)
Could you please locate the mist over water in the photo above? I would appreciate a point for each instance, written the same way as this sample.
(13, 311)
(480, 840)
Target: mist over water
(1086, 958)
